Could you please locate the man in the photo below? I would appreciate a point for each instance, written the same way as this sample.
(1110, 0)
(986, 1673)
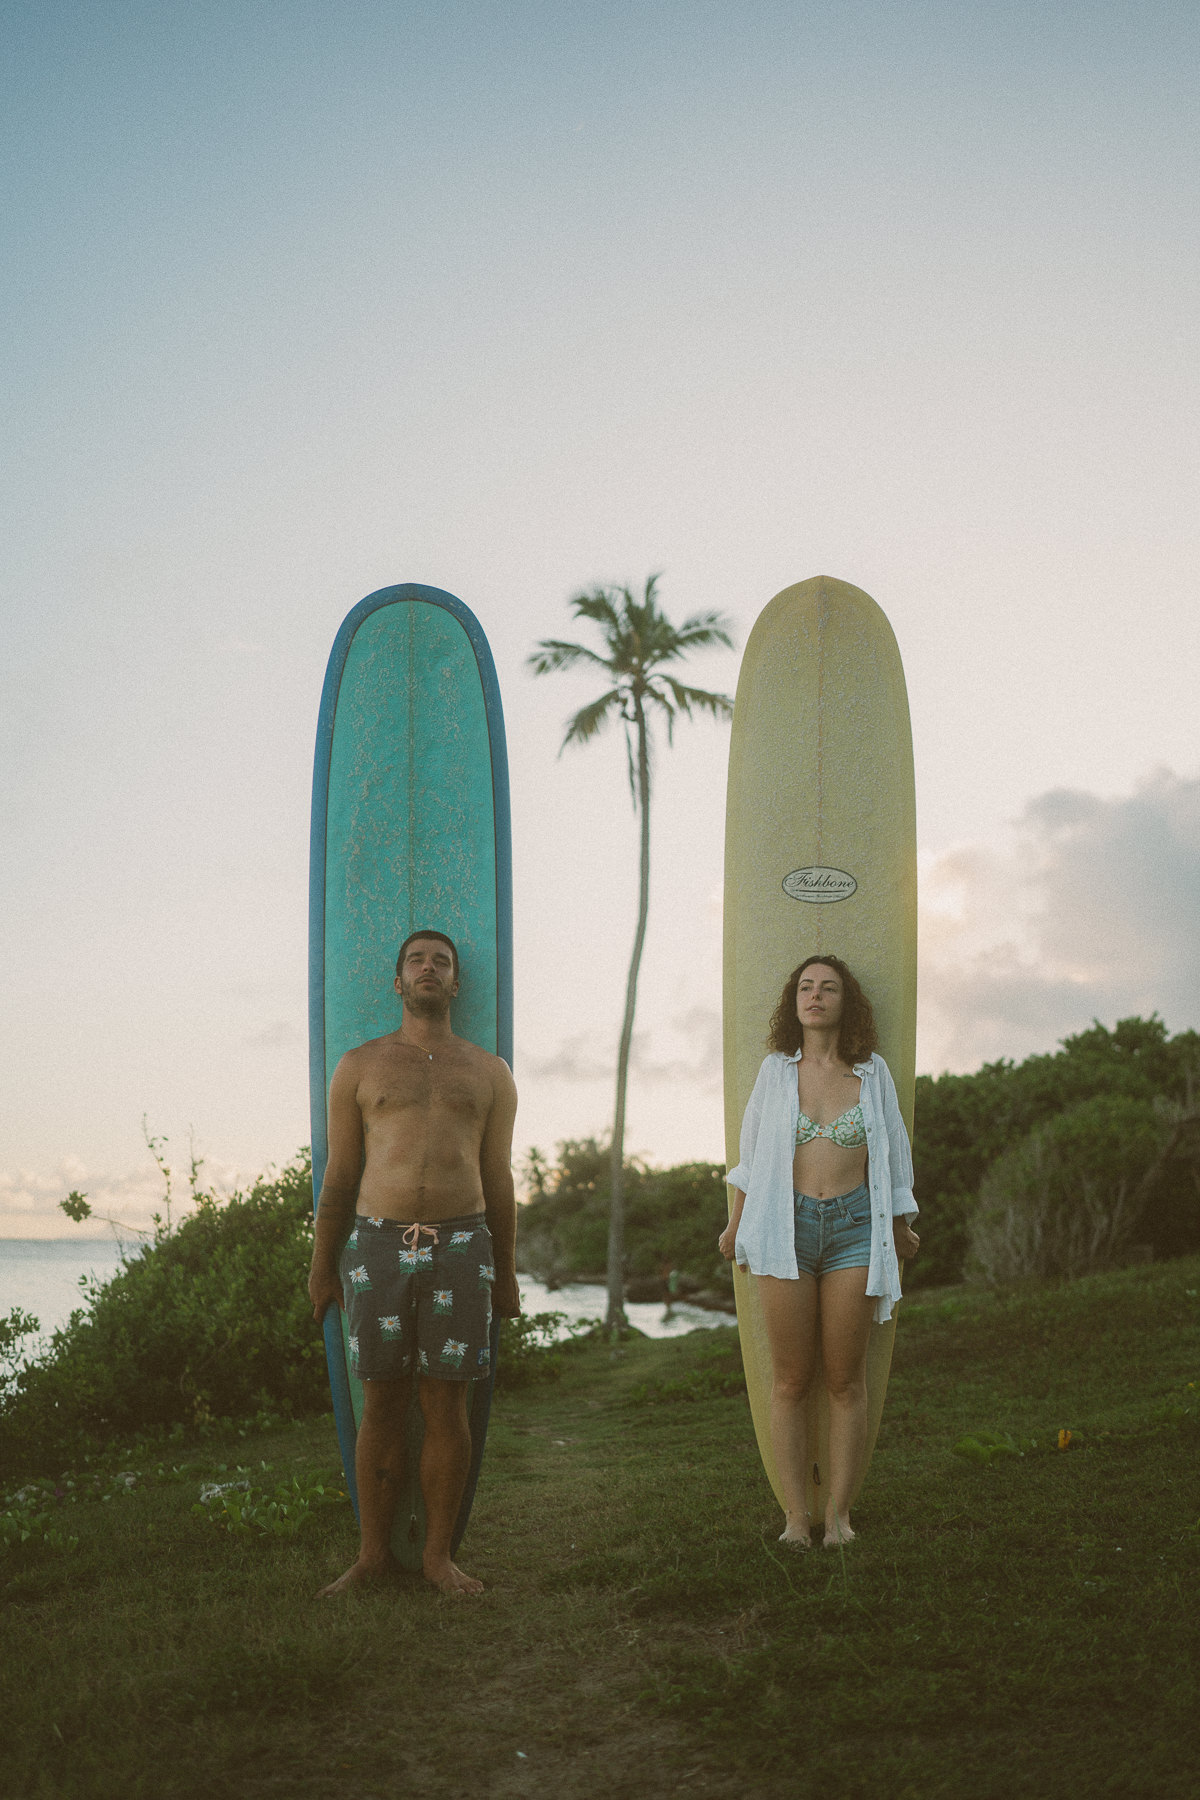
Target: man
(420, 1145)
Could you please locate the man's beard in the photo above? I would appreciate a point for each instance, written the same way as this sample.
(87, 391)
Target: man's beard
(430, 1003)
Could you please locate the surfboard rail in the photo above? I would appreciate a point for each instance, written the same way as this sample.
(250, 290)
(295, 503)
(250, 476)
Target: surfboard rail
(498, 1010)
(820, 855)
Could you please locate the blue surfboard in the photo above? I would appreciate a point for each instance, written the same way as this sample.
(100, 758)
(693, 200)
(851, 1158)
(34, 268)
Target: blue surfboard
(410, 828)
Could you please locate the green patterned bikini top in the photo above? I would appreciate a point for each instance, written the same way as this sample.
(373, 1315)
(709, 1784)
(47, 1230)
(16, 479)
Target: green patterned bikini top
(847, 1131)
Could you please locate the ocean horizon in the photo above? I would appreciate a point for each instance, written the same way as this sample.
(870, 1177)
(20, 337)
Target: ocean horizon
(42, 1276)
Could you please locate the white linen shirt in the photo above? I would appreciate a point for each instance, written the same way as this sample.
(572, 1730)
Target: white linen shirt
(766, 1238)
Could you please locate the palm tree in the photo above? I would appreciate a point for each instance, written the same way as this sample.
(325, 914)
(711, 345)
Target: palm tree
(638, 640)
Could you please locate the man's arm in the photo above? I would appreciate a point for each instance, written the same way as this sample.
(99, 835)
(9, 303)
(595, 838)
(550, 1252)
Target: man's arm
(499, 1195)
(339, 1189)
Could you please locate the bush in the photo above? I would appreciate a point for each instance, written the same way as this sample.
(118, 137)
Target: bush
(210, 1320)
(673, 1215)
(1067, 1199)
(532, 1347)
(964, 1123)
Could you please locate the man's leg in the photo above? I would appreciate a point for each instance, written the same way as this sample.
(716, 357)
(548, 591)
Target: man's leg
(445, 1463)
(379, 1465)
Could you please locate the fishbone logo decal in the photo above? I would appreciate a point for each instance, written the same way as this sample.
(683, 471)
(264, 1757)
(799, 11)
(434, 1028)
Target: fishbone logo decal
(820, 887)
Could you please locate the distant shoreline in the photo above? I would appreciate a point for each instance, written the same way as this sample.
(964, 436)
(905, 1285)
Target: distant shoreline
(78, 1243)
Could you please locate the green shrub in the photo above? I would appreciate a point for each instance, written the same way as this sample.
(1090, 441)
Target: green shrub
(965, 1123)
(15, 1327)
(673, 1215)
(210, 1320)
(248, 1510)
(1066, 1200)
(531, 1348)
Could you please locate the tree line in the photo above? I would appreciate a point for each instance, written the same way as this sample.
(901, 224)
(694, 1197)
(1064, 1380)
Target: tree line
(1070, 1161)
(1065, 1163)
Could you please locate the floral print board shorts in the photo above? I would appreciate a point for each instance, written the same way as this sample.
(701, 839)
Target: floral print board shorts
(419, 1296)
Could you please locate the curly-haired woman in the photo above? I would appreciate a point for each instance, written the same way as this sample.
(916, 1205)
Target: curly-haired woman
(822, 1204)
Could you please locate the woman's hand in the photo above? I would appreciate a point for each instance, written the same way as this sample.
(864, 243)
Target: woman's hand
(727, 1242)
(907, 1241)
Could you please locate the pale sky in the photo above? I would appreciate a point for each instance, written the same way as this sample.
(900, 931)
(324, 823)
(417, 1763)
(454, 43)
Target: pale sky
(301, 300)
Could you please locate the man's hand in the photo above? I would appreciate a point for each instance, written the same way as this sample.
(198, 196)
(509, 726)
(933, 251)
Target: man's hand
(907, 1241)
(506, 1296)
(324, 1290)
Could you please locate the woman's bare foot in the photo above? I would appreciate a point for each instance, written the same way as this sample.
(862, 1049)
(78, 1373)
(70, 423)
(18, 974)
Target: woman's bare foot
(361, 1574)
(448, 1578)
(838, 1531)
(797, 1533)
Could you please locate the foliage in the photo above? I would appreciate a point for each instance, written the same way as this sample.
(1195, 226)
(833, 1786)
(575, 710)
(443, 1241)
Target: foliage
(31, 1517)
(638, 642)
(15, 1327)
(1066, 1199)
(34, 1514)
(248, 1510)
(988, 1447)
(673, 1215)
(208, 1320)
(964, 1123)
(532, 1347)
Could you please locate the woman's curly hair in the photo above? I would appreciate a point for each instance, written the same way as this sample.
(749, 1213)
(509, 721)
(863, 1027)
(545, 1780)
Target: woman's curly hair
(857, 1036)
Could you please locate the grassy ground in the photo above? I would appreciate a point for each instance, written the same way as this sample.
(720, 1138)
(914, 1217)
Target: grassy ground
(1024, 1625)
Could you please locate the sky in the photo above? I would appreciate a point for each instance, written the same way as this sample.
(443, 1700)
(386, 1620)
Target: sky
(300, 301)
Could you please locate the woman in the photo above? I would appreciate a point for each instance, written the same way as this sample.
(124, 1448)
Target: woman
(822, 1199)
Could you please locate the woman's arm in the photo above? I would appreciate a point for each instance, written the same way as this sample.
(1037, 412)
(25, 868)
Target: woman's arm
(727, 1242)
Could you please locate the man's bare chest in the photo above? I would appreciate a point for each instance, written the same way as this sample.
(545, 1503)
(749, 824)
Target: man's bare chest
(402, 1083)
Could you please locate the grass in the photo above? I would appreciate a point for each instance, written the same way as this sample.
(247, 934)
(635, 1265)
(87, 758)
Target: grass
(1024, 1626)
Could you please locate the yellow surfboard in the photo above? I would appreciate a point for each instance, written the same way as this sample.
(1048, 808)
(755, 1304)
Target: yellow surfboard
(820, 855)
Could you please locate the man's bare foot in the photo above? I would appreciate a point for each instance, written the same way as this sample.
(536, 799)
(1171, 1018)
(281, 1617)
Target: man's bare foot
(837, 1532)
(361, 1574)
(448, 1578)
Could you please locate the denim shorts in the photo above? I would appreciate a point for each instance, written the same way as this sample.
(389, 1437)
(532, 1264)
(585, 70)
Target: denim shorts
(833, 1234)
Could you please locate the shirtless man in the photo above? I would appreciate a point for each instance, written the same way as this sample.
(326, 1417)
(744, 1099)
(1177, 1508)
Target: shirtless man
(417, 1220)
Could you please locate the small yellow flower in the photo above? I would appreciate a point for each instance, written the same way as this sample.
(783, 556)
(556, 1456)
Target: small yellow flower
(1064, 1438)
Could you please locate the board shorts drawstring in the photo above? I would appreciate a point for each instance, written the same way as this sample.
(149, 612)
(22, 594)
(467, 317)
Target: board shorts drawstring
(412, 1237)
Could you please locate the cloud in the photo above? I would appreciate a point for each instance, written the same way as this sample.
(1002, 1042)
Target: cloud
(650, 1063)
(1089, 908)
(573, 1061)
(29, 1202)
(280, 1034)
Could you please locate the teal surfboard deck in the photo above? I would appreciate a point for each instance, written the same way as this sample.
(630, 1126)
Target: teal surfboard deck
(410, 828)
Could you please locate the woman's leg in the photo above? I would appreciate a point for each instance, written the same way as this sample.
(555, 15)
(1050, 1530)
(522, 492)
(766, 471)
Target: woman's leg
(846, 1315)
(790, 1315)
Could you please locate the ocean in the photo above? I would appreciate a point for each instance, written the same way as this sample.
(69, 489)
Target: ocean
(42, 1275)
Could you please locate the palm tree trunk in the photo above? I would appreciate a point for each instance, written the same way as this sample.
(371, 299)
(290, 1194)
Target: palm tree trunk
(615, 1317)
